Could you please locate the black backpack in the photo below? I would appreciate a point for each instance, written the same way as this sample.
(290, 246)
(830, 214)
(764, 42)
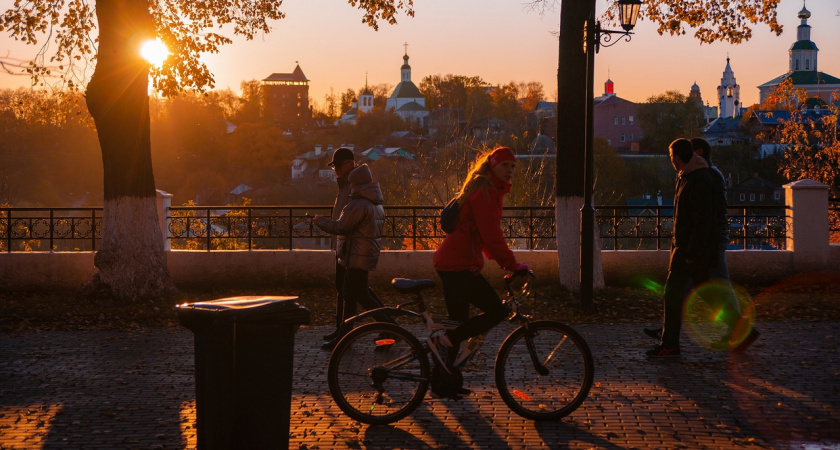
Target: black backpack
(449, 215)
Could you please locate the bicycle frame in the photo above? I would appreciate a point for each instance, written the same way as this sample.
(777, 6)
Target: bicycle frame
(470, 347)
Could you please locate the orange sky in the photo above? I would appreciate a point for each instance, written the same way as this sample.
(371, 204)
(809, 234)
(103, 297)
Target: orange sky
(499, 41)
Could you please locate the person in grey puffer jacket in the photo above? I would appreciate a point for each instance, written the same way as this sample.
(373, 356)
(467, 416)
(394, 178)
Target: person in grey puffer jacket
(358, 228)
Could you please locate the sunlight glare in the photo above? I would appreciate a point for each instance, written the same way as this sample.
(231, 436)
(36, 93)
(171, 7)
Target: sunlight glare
(154, 51)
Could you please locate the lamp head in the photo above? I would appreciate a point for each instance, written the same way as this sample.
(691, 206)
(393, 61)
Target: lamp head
(628, 13)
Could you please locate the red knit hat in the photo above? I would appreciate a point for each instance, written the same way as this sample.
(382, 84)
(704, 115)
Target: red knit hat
(501, 154)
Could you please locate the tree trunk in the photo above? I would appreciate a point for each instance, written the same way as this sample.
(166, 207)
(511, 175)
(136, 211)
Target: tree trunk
(571, 144)
(131, 261)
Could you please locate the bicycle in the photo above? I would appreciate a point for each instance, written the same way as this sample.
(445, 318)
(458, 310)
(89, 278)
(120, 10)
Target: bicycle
(379, 372)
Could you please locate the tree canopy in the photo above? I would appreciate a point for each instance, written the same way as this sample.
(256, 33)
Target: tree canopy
(810, 140)
(665, 117)
(188, 29)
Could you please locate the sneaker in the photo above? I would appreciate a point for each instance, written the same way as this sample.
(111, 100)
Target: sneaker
(329, 346)
(440, 352)
(754, 334)
(655, 333)
(331, 336)
(660, 351)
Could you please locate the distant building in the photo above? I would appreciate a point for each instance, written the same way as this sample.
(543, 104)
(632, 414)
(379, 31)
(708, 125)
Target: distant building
(487, 129)
(765, 122)
(362, 105)
(379, 152)
(544, 143)
(723, 132)
(312, 165)
(755, 191)
(349, 117)
(802, 67)
(406, 100)
(729, 94)
(709, 112)
(287, 98)
(615, 121)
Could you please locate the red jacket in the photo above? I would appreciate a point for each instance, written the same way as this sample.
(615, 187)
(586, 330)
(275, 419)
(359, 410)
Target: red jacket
(477, 231)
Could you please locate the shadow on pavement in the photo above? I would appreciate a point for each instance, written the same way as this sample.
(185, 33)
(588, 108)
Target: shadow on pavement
(558, 434)
(97, 394)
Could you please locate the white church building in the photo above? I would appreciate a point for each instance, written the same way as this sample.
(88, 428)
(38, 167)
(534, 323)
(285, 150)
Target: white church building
(406, 100)
(802, 67)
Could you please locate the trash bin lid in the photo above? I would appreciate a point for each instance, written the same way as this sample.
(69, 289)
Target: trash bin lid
(244, 302)
(280, 309)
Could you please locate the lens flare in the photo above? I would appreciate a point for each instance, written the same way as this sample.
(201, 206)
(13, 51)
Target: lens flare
(706, 315)
(653, 286)
(154, 51)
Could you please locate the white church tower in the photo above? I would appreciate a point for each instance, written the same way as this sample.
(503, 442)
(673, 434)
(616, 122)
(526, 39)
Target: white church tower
(729, 93)
(366, 99)
(803, 52)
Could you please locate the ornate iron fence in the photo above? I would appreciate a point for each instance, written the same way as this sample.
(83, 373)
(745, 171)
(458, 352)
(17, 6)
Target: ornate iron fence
(406, 227)
(834, 220)
(650, 227)
(50, 229)
(289, 227)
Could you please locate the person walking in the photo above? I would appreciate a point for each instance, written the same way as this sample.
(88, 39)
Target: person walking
(722, 294)
(693, 244)
(460, 257)
(342, 163)
(358, 228)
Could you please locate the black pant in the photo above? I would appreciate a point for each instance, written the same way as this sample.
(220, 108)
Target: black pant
(465, 288)
(352, 287)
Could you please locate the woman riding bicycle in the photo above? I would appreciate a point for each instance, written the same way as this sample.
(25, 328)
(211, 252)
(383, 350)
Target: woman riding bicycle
(460, 257)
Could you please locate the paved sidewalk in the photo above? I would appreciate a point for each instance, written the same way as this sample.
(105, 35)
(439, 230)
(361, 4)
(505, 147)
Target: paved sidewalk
(115, 390)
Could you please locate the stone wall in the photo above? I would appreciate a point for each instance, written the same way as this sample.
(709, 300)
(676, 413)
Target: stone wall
(267, 268)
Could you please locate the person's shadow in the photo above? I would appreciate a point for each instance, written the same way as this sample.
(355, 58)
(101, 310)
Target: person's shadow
(110, 393)
(385, 437)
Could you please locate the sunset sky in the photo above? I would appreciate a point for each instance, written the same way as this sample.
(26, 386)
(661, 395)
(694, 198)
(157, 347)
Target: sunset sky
(500, 41)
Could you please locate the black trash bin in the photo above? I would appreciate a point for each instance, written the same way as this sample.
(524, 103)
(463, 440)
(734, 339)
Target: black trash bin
(243, 369)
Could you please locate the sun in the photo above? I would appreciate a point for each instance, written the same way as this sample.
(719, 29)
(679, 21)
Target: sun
(154, 51)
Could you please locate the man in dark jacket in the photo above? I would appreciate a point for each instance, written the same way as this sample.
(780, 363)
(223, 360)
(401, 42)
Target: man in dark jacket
(720, 292)
(694, 240)
(358, 229)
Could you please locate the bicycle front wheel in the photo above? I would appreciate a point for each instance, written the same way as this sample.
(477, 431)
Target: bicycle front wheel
(544, 371)
(378, 373)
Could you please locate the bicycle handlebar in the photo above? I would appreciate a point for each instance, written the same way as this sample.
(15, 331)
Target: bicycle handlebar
(509, 278)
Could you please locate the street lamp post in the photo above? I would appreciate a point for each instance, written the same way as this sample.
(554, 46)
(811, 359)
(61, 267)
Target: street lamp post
(595, 37)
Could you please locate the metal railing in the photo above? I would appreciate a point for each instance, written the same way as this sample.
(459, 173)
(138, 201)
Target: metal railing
(406, 227)
(50, 229)
(288, 227)
(650, 227)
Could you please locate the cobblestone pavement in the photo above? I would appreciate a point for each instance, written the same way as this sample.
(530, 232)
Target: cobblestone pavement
(136, 390)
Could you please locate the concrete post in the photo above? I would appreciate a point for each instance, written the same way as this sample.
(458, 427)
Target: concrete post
(164, 201)
(807, 224)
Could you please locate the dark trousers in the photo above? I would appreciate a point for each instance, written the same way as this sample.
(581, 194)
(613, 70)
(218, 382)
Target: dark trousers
(722, 295)
(465, 288)
(352, 287)
(677, 286)
(682, 279)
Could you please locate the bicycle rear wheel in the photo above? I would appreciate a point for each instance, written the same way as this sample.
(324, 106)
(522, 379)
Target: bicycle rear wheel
(378, 373)
(544, 372)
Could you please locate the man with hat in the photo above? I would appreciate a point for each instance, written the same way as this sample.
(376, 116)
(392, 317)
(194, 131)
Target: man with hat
(343, 162)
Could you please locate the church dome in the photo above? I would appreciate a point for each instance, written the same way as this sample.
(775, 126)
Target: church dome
(804, 14)
(694, 87)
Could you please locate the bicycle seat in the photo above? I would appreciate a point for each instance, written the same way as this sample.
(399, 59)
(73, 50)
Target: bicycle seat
(407, 286)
